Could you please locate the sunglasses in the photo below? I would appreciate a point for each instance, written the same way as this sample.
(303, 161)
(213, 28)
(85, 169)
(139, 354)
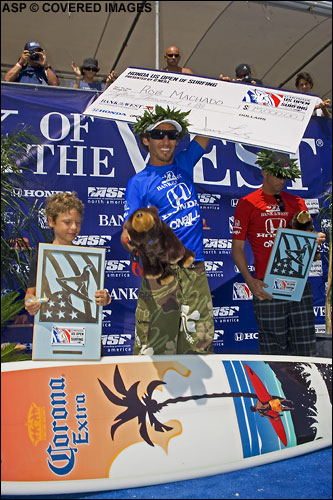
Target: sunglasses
(280, 202)
(172, 135)
(88, 68)
(173, 55)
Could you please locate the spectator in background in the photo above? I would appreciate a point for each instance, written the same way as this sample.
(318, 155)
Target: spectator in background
(85, 76)
(32, 67)
(243, 74)
(172, 58)
(304, 84)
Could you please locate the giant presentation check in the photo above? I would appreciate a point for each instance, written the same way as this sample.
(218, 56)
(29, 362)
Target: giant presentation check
(237, 112)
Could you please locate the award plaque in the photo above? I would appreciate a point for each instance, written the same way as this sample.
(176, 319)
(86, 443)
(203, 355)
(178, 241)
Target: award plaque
(290, 263)
(68, 324)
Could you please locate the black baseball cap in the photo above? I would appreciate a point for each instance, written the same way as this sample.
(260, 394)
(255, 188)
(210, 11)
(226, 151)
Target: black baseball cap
(242, 69)
(90, 62)
(281, 159)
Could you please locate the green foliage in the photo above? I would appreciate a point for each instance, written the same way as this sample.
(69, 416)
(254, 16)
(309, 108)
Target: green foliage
(18, 215)
(13, 352)
(10, 307)
(270, 167)
(149, 118)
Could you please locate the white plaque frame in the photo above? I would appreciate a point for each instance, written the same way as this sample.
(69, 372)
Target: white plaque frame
(69, 325)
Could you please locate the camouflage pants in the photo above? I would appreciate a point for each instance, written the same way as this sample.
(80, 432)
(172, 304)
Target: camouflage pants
(176, 318)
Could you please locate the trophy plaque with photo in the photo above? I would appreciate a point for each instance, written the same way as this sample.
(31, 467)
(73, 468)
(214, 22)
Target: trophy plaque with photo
(290, 263)
(68, 324)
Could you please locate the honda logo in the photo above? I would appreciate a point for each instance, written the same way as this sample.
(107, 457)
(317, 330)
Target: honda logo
(178, 195)
(272, 225)
(239, 336)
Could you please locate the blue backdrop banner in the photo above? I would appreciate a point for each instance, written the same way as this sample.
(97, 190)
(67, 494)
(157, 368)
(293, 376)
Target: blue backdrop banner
(96, 157)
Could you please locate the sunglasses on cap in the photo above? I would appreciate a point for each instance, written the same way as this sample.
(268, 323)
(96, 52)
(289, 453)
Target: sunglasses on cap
(158, 133)
(280, 202)
(173, 55)
(89, 68)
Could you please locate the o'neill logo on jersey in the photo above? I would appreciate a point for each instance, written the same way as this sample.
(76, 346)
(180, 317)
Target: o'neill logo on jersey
(263, 97)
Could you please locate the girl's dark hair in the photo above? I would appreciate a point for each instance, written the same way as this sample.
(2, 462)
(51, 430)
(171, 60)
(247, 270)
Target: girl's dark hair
(304, 76)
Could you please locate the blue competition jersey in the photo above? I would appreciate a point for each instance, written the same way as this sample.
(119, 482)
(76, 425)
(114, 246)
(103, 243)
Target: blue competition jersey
(171, 190)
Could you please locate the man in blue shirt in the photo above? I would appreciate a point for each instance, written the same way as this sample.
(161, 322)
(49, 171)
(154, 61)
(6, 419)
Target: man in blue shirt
(176, 318)
(32, 67)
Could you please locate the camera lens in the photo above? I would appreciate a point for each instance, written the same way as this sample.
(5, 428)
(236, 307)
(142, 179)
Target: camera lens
(34, 56)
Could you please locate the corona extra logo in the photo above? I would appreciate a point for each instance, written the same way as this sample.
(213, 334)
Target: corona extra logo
(36, 424)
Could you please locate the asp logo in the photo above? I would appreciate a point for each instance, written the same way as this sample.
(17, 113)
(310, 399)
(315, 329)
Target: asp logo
(91, 240)
(218, 338)
(117, 343)
(214, 265)
(208, 198)
(226, 312)
(106, 193)
(116, 339)
(117, 268)
(217, 245)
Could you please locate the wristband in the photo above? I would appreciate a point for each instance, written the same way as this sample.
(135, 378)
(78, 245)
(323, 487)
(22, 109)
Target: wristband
(19, 64)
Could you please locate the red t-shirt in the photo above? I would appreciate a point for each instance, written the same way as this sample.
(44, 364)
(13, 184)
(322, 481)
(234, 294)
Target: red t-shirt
(258, 217)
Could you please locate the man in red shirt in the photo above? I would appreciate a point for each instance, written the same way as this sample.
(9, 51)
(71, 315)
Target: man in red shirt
(285, 327)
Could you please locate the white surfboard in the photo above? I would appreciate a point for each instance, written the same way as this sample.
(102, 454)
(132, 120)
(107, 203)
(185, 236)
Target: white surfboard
(133, 421)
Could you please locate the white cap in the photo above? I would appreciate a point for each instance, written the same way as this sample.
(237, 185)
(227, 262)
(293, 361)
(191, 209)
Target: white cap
(173, 122)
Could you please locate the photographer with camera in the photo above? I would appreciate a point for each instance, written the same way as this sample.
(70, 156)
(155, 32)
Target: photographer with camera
(32, 67)
(243, 74)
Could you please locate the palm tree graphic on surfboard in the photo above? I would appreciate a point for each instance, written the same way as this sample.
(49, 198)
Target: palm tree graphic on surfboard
(141, 408)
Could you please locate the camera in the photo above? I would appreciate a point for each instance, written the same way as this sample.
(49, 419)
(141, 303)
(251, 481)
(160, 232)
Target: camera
(34, 56)
(247, 79)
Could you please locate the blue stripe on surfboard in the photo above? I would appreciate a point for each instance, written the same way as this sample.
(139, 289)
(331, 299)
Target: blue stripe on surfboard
(257, 435)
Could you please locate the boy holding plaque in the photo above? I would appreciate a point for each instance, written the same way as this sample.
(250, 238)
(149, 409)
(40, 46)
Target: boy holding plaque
(64, 212)
(285, 327)
(174, 318)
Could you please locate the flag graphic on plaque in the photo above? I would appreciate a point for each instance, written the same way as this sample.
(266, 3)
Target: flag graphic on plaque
(69, 276)
(290, 263)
